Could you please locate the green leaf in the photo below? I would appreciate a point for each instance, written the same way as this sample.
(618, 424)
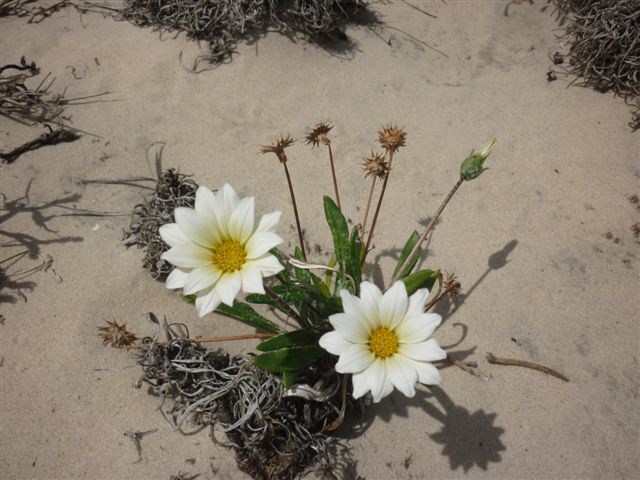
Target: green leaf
(291, 294)
(288, 359)
(406, 250)
(302, 274)
(297, 338)
(339, 231)
(243, 312)
(190, 299)
(288, 378)
(353, 261)
(284, 275)
(420, 279)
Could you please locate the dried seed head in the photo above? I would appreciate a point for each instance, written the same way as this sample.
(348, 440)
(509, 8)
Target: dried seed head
(117, 335)
(319, 134)
(391, 138)
(277, 147)
(374, 165)
(452, 285)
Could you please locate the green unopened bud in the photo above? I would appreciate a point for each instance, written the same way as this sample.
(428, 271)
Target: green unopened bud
(472, 166)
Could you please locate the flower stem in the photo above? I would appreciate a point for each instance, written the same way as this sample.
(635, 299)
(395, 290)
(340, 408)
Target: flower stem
(366, 211)
(295, 209)
(375, 215)
(423, 237)
(333, 173)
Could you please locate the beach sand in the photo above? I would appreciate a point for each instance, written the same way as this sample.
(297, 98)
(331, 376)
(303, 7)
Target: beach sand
(528, 240)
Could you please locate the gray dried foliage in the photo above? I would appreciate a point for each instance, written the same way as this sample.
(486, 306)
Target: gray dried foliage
(224, 23)
(173, 189)
(274, 436)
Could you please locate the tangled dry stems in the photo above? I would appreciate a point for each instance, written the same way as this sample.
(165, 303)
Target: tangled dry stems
(274, 435)
(172, 190)
(224, 23)
(604, 39)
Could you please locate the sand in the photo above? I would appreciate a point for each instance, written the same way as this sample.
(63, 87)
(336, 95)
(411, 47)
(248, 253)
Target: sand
(528, 240)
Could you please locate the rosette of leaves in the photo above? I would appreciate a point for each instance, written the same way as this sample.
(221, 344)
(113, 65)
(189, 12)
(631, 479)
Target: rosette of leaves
(309, 299)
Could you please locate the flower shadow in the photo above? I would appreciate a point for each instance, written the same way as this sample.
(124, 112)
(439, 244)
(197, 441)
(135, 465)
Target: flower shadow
(468, 439)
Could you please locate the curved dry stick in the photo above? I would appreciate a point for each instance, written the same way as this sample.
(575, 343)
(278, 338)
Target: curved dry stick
(491, 358)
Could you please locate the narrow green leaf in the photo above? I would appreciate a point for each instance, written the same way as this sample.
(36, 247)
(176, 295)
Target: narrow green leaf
(289, 378)
(353, 262)
(339, 231)
(420, 279)
(284, 275)
(288, 359)
(243, 312)
(291, 294)
(406, 250)
(297, 338)
(302, 274)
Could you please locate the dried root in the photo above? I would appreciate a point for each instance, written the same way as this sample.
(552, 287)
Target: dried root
(275, 433)
(173, 190)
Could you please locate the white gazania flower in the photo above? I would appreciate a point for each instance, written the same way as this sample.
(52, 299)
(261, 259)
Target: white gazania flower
(383, 340)
(217, 250)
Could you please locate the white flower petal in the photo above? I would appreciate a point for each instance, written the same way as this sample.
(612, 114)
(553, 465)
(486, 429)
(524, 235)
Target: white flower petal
(370, 296)
(427, 373)
(268, 265)
(403, 374)
(241, 220)
(333, 342)
(228, 287)
(193, 226)
(200, 279)
(188, 255)
(351, 304)
(354, 359)
(176, 278)
(207, 302)
(393, 305)
(350, 327)
(225, 202)
(418, 328)
(417, 302)
(260, 243)
(252, 280)
(172, 235)
(269, 222)
(205, 201)
(361, 383)
(378, 378)
(374, 379)
(428, 351)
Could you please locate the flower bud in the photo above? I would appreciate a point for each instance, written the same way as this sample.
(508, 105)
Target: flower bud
(472, 166)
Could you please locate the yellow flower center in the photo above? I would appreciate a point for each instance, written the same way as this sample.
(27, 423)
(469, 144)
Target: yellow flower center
(383, 342)
(229, 256)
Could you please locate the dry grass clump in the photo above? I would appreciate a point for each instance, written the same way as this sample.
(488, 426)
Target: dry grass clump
(275, 433)
(604, 46)
(173, 189)
(224, 23)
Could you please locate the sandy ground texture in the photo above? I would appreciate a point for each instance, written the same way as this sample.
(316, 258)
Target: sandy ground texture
(542, 242)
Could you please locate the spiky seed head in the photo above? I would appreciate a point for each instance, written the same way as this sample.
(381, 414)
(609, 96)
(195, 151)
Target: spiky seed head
(392, 137)
(117, 335)
(277, 147)
(319, 134)
(452, 285)
(375, 165)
